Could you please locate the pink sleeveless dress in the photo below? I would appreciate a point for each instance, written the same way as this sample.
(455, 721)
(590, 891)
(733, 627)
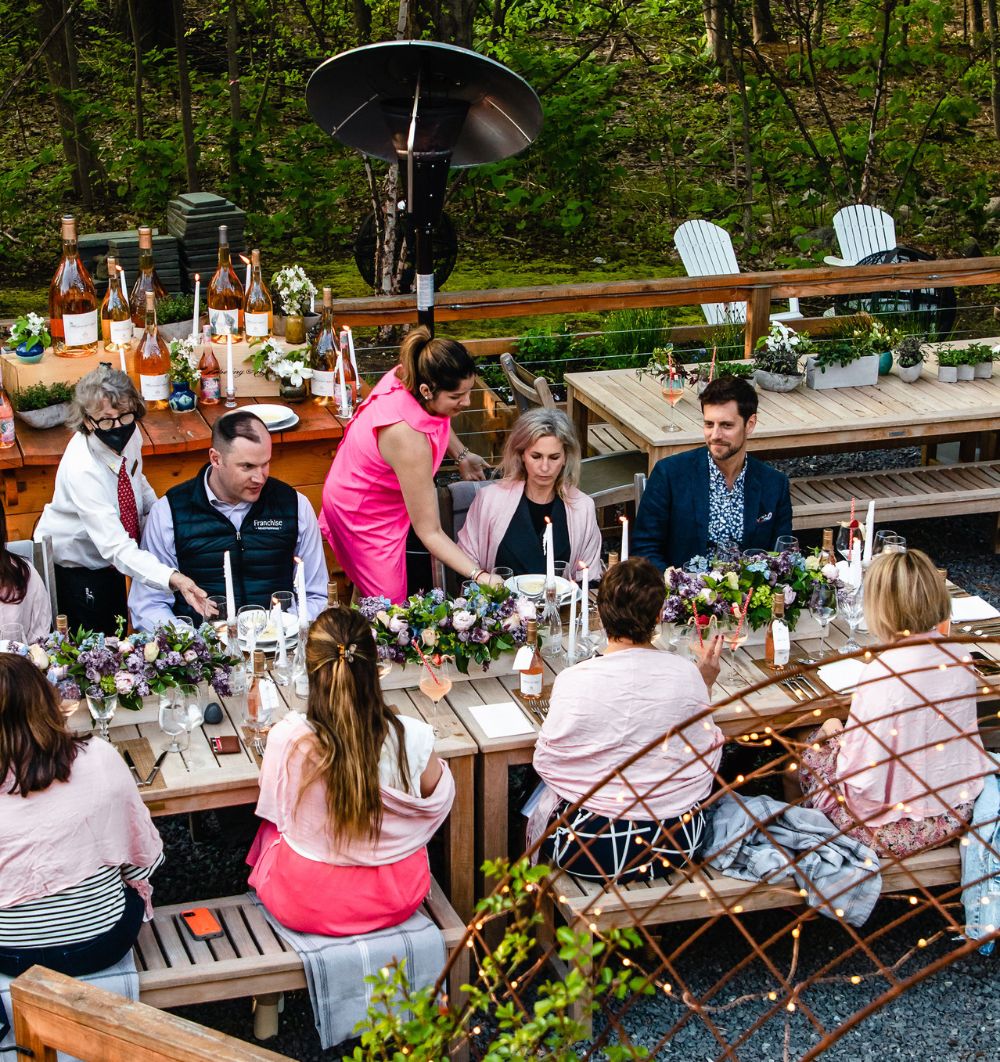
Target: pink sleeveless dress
(363, 515)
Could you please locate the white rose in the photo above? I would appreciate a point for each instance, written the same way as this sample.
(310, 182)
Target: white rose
(812, 563)
(150, 651)
(396, 624)
(39, 657)
(830, 571)
(383, 617)
(463, 620)
(715, 576)
(429, 637)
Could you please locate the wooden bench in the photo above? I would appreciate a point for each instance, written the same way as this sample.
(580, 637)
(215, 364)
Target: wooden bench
(251, 959)
(900, 494)
(604, 439)
(588, 907)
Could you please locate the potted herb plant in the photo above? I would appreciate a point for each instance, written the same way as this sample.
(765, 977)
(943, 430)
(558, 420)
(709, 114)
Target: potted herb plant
(702, 373)
(841, 361)
(173, 316)
(967, 365)
(289, 367)
(878, 339)
(183, 375)
(43, 405)
(295, 292)
(909, 354)
(776, 358)
(949, 360)
(981, 358)
(29, 337)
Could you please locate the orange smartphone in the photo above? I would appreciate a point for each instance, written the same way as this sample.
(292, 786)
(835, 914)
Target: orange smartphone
(201, 923)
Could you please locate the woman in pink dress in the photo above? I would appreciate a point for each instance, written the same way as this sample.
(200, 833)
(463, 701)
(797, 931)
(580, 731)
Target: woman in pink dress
(350, 794)
(382, 477)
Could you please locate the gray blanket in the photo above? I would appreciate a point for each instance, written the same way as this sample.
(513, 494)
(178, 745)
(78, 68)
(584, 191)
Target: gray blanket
(336, 967)
(836, 871)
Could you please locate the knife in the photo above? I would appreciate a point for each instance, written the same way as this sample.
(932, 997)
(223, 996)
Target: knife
(148, 780)
(129, 762)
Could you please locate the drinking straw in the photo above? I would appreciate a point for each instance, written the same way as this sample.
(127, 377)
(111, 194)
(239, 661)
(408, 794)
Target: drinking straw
(850, 534)
(701, 636)
(430, 670)
(743, 614)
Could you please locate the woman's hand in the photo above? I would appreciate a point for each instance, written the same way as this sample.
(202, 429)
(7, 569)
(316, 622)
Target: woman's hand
(193, 595)
(472, 466)
(831, 728)
(709, 662)
(489, 579)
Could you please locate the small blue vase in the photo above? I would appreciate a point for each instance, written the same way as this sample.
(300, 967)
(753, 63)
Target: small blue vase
(885, 363)
(182, 399)
(30, 353)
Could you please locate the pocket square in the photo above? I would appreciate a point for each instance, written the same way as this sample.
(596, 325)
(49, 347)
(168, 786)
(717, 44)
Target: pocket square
(763, 519)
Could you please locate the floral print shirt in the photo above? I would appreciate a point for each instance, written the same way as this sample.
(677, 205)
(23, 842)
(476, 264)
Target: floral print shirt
(725, 509)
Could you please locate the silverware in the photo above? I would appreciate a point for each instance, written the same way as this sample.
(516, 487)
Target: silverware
(148, 780)
(812, 690)
(258, 746)
(790, 685)
(130, 763)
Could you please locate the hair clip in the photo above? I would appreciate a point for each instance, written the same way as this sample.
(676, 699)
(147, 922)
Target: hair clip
(347, 651)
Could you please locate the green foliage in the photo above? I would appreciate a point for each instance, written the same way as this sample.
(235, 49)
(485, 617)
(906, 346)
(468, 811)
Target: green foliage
(972, 354)
(629, 335)
(174, 308)
(406, 1023)
(41, 396)
(951, 357)
(909, 351)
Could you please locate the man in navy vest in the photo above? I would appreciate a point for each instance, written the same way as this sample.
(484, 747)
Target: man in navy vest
(232, 504)
(717, 499)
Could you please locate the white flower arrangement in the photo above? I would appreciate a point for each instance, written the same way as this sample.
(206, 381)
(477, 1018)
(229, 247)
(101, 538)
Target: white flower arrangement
(779, 351)
(273, 361)
(294, 289)
(184, 361)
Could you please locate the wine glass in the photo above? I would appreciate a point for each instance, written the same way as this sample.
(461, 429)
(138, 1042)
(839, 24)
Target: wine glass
(102, 708)
(11, 634)
(174, 719)
(503, 573)
(851, 603)
(787, 544)
(384, 666)
(878, 543)
(846, 536)
(281, 606)
(250, 623)
(893, 544)
(672, 388)
(435, 680)
(734, 635)
(822, 608)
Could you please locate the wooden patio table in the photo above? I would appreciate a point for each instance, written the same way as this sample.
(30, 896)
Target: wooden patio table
(199, 779)
(891, 413)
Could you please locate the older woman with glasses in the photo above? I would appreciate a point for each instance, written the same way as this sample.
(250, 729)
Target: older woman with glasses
(99, 505)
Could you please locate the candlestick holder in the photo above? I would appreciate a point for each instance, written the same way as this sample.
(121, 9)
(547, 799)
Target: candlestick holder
(230, 399)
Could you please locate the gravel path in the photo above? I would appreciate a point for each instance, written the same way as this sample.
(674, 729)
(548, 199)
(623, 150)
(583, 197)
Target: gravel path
(953, 1016)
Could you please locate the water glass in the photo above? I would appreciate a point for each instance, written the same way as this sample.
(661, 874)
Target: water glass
(250, 623)
(851, 604)
(822, 608)
(219, 600)
(502, 573)
(878, 543)
(894, 544)
(282, 602)
(11, 635)
(174, 719)
(787, 544)
(102, 708)
(191, 696)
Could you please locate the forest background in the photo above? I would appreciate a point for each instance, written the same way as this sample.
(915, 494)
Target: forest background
(764, 116)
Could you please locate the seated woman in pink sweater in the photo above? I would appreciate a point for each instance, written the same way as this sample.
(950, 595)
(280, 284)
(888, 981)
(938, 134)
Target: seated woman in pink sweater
(541, 469)
(905, 770)
(604, 711)
(350, 794)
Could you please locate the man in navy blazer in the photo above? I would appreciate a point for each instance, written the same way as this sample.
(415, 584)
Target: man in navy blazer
(717, 498)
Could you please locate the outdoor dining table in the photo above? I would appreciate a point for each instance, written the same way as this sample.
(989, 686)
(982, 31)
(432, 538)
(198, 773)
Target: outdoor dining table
(891, 413)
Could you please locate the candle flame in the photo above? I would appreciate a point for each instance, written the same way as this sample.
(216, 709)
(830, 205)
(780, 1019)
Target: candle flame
(298, 560)
(244, 259)
(548, 520)
(197, 277)
(621, 519)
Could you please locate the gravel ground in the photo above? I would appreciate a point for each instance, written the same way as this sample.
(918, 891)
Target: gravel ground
(952, 1016)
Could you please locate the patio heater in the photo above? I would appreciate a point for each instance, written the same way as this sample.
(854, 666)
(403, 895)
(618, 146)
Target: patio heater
(427, 107)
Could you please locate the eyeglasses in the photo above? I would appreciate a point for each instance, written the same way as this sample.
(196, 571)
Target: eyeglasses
(123, 420)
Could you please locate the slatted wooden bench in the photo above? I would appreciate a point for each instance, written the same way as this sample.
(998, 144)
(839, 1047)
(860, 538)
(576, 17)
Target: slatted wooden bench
(251, 959)
(900, 494)
(589, 908)
(603, 439)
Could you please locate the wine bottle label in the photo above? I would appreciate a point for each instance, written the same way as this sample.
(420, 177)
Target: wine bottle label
(531, 685)
(80, 328)
(7, 430)
(322, 382)
(782, 642)
(120, 332)
(210, 387)
(154, 388)
(302, 685)
(256, 324)
(223, 321)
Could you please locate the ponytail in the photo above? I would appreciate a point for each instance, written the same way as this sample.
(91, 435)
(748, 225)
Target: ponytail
(441, 364)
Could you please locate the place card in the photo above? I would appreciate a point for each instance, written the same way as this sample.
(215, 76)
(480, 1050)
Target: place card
(967, 609)
(500, 720)
(842, 675)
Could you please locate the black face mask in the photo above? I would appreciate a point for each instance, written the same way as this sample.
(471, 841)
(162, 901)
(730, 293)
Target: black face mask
(116, 438)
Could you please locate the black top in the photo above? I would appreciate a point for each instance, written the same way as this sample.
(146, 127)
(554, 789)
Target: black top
(520, 548)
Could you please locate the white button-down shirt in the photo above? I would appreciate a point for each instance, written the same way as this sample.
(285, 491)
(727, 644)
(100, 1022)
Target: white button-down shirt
(84, 518)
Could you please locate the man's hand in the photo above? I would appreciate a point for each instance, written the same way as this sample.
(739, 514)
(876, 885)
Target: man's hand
(193, 595)
(709, 659)
(472, 466)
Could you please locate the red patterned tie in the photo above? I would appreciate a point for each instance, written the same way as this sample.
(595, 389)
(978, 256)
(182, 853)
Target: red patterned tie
(126, 503)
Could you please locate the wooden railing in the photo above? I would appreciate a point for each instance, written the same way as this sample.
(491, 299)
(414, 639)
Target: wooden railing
(757, 290)
(56, 1013)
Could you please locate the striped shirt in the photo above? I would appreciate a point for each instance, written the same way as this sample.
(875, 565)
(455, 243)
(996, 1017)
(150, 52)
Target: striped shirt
(79, 913)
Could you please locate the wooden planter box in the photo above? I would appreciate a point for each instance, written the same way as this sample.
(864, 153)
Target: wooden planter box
(860, 373)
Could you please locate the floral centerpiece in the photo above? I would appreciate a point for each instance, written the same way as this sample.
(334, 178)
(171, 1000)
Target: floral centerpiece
(714, 587)
(184, 374)
(661, 365)
(29, 337)
(134, 666)
(473, 629)
(294, 290)
(289, 367)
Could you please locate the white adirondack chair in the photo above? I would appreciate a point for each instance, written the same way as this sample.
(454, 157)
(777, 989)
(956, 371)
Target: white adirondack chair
(861, 230)
(707, 250)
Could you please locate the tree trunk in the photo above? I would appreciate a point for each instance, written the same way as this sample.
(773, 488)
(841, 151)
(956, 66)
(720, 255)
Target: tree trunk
(818, 17)
(51, 17)
(715, 29)
(137, 47)
(184, 89)
(976, 18)
(763, 23)
(363, 21)
(235, 103)
(994, 30)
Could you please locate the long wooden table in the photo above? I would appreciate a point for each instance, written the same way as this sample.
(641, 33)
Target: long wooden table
(891, 413)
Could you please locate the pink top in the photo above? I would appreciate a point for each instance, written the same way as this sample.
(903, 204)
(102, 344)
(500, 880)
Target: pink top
(493, 509)
(912, 730)
(408, 821)
(54, 839)
(33, 611)
(605, 710)
(363, 514)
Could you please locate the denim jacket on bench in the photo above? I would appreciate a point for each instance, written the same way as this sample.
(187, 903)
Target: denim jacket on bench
(981, 866)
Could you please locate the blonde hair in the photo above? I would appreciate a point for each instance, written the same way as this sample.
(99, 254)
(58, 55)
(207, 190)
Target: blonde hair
(904, 593)
(350, 721)
(527, 430)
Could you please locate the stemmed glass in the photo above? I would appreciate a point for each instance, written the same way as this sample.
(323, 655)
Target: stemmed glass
(734, 636)
(851, 603)
(174, 719)
(822, 608)
(250, 622)
(281, 606)
(787, 544)
(845, 536)
(191, 697)
(102, 708)
(672, 388)
(435, 680)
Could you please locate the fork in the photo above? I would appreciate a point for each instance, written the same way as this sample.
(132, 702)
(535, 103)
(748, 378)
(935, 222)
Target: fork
(258, 746)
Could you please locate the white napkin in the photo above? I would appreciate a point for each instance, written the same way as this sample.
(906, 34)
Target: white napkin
(842, 675)
(971, 608)
(504, 719)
